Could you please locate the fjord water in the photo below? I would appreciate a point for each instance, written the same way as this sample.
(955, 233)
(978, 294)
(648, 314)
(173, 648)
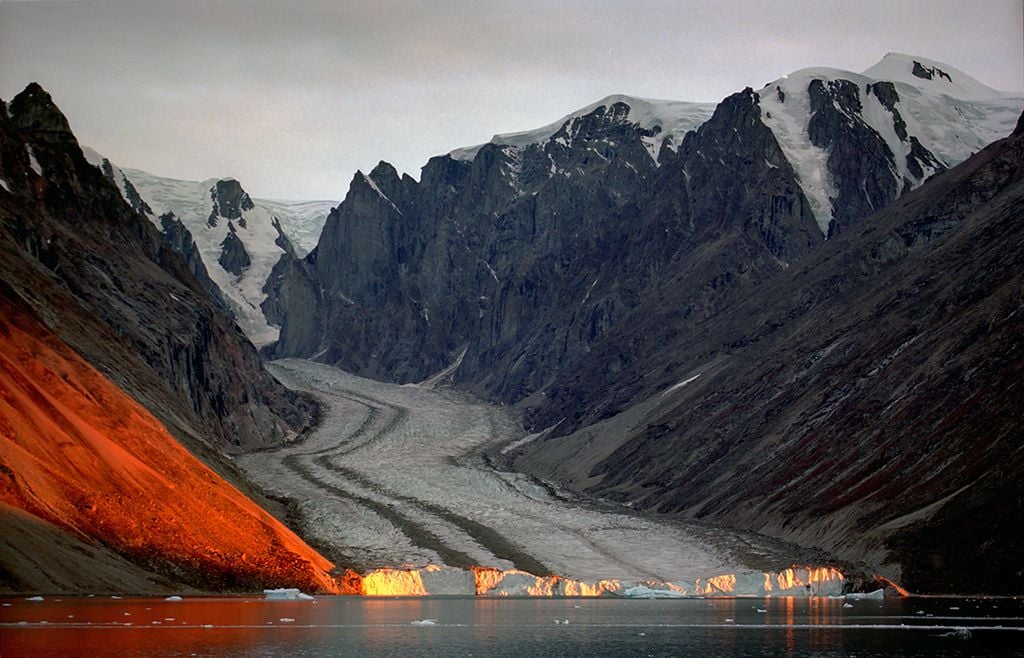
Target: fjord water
(355, 626)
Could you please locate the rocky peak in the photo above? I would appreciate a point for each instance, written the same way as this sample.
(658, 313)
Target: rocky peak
(233, 256)
(33, 111)
(928, 72)
(930, 76)
(229, 200)
(112, 287)
(386, 177)
(737, 177)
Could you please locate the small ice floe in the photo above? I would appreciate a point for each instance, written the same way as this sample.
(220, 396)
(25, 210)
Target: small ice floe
(641, 634)
(115, 597)
(954, 607)
(847, 605)
(877, 595)
(761, 610)
(35, 598)
(286, 620)
(424, 622)
(173, 597)
(7, 605)
(729, 620)
(207, 625)
(562, 621)
(168, 618)
(285, 594)
(958, 633)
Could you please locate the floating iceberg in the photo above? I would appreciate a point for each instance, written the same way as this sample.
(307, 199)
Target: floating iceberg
(173, 597)
(285, 594)
(424, 622)
(877, 595)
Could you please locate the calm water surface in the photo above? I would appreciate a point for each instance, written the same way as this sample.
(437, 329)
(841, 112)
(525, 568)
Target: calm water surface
(349, 626)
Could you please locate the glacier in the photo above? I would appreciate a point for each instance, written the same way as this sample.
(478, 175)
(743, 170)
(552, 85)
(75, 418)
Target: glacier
(396, 480)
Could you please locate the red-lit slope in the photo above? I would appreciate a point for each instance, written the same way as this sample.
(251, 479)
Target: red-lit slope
(78, 452)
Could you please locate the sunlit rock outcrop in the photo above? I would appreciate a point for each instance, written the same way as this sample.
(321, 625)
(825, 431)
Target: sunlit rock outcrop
(79, 453)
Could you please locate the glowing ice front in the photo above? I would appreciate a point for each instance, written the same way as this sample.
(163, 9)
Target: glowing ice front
(483, 581)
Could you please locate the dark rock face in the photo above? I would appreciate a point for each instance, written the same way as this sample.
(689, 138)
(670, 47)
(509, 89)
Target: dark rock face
(861, 163)
(887, 95)
(180, 239)
(102, 277)
(928, 72)
(294, 303)
(866, 402)
(527, 255)
(229, 200)
(132, 194)
(921, 163)
(233, 256)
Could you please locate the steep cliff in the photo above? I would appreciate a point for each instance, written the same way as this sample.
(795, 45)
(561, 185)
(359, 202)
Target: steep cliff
(517, 255)
(77, 253)
(527, 254)
(867, 401)
(114, 492)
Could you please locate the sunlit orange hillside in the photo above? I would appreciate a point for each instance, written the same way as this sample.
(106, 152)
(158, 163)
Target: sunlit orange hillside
(77, 451)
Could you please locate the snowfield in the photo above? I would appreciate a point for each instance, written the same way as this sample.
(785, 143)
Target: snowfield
(394, 477)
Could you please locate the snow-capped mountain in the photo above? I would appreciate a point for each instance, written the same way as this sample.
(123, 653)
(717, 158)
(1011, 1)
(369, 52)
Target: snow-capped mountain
(884, 131)
(665, 118)
(413, 270)
(856, 140)
(238, 239)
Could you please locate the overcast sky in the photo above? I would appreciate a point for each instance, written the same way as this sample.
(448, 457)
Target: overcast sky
(292, 98)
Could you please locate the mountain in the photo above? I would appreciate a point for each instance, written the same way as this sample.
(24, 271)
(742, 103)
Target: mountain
(98, 496)
(523, 251)
(866, 401)
(591, 279)
(228, 239)
(110, 346)
(859, 141)
(667, 120)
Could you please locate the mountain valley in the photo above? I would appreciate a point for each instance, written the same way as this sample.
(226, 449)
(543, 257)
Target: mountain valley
(653, 342)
